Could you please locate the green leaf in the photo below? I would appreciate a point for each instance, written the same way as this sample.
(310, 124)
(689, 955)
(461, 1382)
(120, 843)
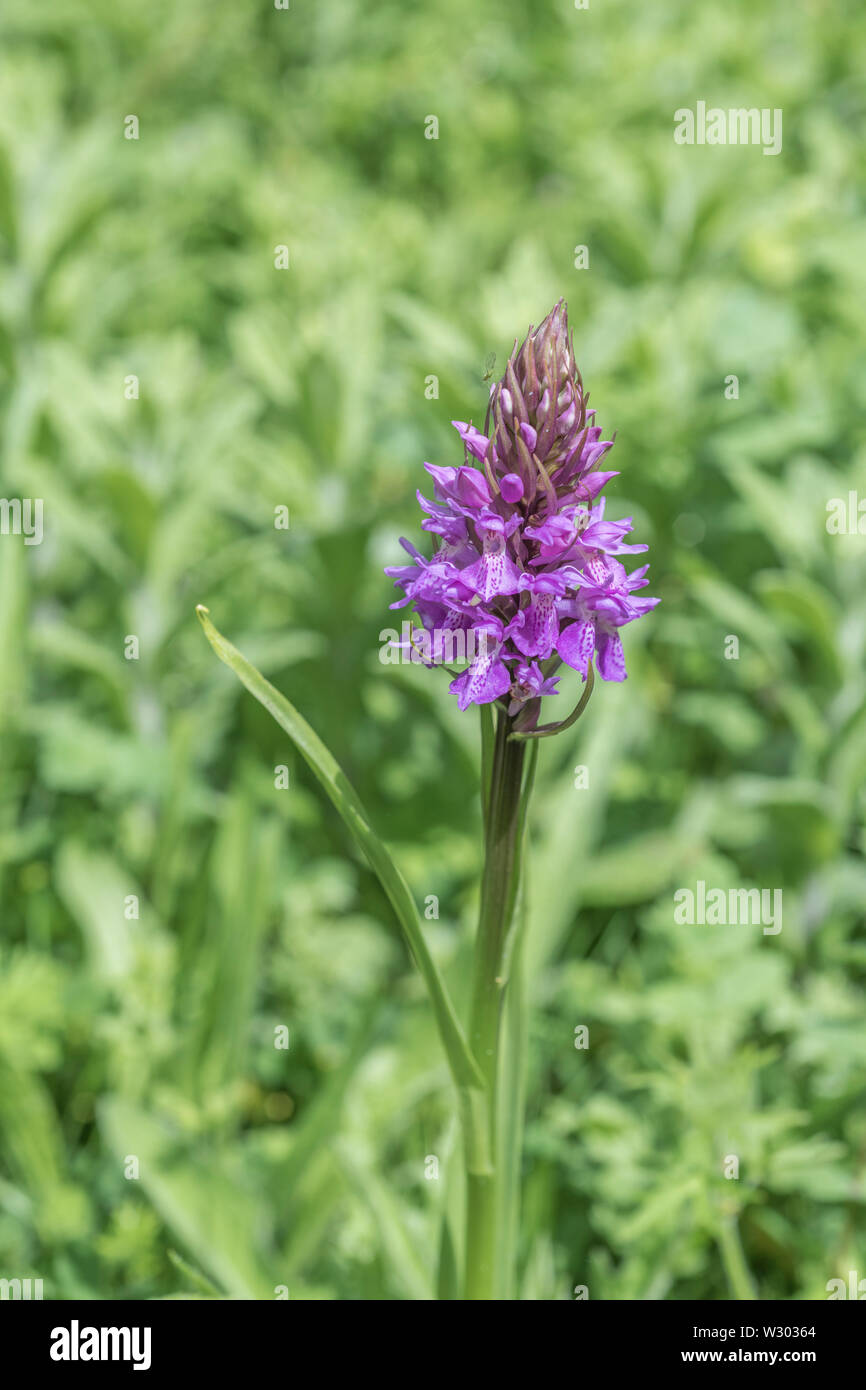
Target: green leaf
(199, 1199)
(195, 1277)
(344, 797)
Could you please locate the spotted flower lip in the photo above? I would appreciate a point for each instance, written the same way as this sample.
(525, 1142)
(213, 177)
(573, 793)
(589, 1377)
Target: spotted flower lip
(524, 556)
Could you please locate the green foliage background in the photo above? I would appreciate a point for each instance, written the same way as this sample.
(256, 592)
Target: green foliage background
(305, 387)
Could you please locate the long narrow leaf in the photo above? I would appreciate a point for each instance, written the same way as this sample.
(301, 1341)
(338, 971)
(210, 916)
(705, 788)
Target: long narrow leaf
(344, 797)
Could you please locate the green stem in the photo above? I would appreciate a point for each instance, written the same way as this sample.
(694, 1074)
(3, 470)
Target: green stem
(734, 1261)
(512, 1089)
(504, 817)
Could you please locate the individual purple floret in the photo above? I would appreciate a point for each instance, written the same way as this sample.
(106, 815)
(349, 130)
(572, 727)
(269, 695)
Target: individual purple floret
(524, 565)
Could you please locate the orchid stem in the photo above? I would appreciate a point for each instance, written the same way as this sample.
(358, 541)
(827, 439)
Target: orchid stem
(505, 813)
(734, 1261)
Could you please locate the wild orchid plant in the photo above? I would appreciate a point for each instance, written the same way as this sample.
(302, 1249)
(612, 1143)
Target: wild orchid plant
(524, 572)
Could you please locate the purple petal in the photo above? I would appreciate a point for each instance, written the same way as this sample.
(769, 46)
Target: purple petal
(511, 487)
(484, 681)
(576, 645)
(530, 436)
(610, 657)
(476, 442)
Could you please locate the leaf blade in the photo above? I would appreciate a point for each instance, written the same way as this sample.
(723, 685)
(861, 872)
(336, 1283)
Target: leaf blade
(345, 799)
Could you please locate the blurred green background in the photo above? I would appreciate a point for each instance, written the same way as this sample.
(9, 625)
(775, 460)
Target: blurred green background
(153, 1038)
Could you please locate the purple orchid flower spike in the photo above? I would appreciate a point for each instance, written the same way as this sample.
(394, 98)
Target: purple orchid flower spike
(525, 559)
(525, 569)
